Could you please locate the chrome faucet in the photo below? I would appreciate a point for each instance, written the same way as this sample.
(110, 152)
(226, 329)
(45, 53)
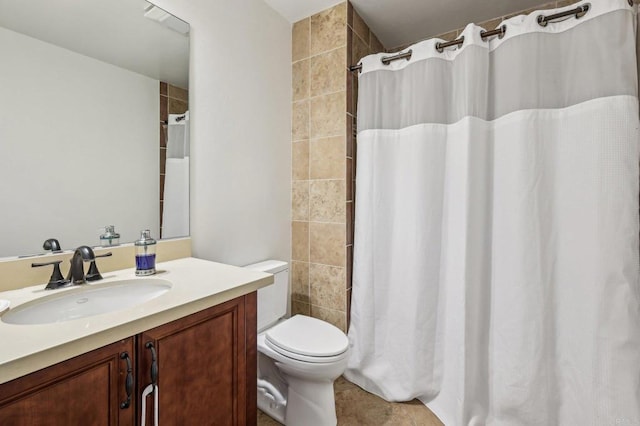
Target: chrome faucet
(80, 255)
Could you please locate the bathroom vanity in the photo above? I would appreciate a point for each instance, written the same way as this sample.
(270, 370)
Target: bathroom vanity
(197, 342)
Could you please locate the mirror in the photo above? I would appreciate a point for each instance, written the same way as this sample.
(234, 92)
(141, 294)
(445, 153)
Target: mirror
(94, 122)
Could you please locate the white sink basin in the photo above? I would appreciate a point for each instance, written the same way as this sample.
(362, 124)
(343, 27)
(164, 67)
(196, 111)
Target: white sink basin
(87, 301)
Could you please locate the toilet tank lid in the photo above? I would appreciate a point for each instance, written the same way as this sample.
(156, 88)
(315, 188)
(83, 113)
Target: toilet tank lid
(270, 266)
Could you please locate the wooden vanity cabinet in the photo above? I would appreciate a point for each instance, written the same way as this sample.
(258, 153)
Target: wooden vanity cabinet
(206, 375)
(206, 366)
(84, 390)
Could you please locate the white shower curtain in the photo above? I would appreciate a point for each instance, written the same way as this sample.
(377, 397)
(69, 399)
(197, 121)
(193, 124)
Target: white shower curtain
(496, 237)
(175, 212)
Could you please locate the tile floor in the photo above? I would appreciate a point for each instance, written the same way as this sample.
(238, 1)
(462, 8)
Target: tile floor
(356, 407)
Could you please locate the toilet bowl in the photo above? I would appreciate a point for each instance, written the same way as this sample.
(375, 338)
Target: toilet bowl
(308, 363)
(298, 358)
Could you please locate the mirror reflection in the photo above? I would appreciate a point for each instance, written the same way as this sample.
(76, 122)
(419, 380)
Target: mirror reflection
(94, 122)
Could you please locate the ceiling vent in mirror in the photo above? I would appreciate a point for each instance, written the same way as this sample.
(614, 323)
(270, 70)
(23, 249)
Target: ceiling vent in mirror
(154, 13)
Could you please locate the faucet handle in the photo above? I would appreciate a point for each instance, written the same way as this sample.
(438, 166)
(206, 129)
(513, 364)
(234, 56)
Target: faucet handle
(93, 274)
(56, 280)
(53, 245)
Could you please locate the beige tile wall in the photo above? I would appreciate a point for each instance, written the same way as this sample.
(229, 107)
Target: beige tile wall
(319, 57)
(322, 154)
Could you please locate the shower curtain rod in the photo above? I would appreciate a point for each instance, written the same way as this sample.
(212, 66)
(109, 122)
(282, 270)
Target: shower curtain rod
(543, 20)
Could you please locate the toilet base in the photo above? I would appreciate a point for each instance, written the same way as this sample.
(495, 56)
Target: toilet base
(302, 389)
(270, 406)
(310, 403)
(272, 389)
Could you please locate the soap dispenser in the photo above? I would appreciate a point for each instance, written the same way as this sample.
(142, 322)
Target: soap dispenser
(110, 237)
(145, 254)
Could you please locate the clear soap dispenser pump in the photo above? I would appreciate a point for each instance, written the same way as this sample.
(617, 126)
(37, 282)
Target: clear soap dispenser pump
(110, 237)
(145, 254)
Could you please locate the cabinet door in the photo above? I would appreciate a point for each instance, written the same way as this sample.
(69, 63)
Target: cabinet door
(85, 390)
(206, 366)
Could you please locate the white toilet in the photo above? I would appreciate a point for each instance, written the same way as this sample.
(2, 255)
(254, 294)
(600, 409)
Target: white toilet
(298, 358)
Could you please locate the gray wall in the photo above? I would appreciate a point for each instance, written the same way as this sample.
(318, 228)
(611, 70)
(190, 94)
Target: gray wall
(240, 103)
(46, 127)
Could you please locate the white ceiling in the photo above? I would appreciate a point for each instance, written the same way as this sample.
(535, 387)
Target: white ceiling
(112, 31)
(399, 22)
(295, 10)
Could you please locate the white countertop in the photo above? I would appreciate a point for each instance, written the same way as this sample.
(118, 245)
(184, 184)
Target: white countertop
(196, 285)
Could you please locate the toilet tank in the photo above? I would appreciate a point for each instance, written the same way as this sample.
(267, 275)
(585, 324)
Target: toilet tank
(273, 299)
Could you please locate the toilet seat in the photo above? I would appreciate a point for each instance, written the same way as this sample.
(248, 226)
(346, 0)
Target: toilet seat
(307, 339)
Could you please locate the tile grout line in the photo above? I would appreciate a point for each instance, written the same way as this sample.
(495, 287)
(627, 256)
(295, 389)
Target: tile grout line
(324, 52)
(353, 31)
(308, 283)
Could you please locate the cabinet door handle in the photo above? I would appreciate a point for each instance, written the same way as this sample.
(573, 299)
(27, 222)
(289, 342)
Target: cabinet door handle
(154, 363)
(128, 384)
